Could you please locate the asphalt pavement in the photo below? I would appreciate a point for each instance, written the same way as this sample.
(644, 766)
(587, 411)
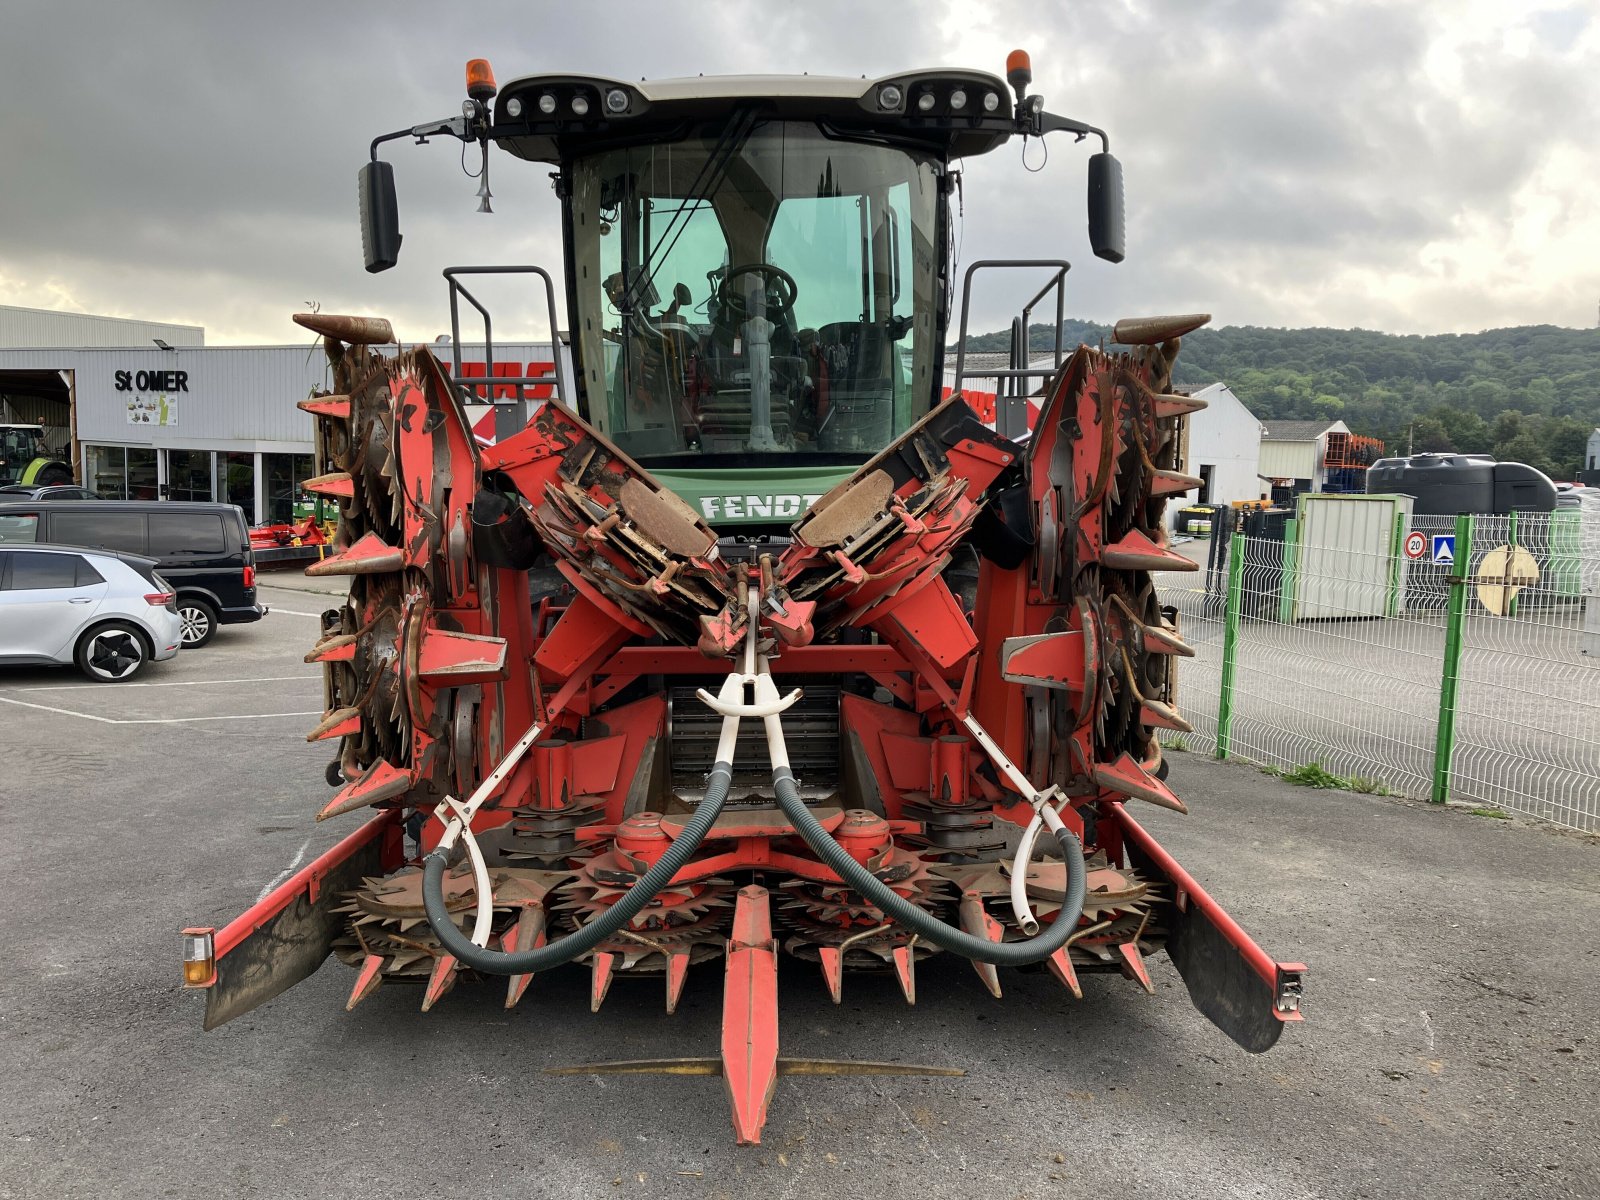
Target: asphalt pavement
(1449, 1049)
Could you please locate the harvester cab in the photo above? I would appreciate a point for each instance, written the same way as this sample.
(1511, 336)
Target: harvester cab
(26, 459)
(836, 650)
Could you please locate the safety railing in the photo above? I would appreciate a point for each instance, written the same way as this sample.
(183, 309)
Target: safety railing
(1460, 663)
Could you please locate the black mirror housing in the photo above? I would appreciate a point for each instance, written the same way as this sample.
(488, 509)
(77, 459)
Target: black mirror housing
(1106, 227)
(380, 216)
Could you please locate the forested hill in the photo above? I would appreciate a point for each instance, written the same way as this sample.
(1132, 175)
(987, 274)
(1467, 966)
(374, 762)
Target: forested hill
(1530, 394)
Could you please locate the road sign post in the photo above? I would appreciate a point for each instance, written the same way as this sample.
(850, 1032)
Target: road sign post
(1459, 551)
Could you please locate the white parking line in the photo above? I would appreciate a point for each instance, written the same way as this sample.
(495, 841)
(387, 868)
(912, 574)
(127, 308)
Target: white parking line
(67, 712)
(294, 863)
(291, 612)
(95, 687)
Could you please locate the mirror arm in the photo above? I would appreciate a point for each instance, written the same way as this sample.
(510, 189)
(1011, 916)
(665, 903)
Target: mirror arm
(455, 127)
(1042, 123)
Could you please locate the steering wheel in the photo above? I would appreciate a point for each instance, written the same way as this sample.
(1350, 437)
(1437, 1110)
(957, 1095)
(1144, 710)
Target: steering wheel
(781, 291)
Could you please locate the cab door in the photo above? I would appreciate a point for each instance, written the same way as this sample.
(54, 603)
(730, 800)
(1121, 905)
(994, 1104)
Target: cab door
(45, 599)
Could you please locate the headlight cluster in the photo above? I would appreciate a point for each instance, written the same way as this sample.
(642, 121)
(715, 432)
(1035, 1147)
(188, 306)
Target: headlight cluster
(570, 102)
(934, 98)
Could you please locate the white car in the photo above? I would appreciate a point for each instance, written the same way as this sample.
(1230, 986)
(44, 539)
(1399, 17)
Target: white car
(108, 612)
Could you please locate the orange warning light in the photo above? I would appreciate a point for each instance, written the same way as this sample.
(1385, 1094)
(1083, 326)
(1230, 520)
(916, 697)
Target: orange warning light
(480, 79)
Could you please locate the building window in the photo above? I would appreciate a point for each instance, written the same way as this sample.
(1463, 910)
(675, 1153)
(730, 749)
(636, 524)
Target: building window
(189, 475)
(142, 478)
(105, 471)
(286, 499)
(237, 479)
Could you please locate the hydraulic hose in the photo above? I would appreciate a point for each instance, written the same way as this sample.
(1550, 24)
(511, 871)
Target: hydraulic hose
(586, 938)
(920, 921)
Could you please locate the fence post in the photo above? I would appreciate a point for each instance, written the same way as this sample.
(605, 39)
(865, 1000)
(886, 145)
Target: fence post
(1444, 744)
(1291, 571)
(1230, 643)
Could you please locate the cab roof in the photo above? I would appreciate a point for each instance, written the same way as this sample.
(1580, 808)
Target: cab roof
(582, 113)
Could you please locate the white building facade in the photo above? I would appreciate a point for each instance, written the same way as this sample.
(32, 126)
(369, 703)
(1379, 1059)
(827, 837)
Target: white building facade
(195, 422)
(1224, 450)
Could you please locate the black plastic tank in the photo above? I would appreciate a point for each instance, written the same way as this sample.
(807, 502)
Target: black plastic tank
(1448, 484)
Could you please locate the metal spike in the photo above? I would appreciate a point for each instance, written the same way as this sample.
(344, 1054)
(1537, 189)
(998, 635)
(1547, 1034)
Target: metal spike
(833, 971)
(366, 331)
(1135, 966)
(1160, 715)
(1150, 331)
(677, 972)
(334, 483)
(1158, 639)
(1172, 483)
(440, 980)
(337, 722)
(341, 647)
(369, 555)
(1137, 551)
(528, 932)
(1061, 967)
(978, 923)
(381, 781)
(905, 970)
(367, 981)
(334, 406)
(1125, 777)
(1168, 405)
(604, 966)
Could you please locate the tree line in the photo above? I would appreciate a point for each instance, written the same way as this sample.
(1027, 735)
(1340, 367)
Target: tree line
(1529, 394)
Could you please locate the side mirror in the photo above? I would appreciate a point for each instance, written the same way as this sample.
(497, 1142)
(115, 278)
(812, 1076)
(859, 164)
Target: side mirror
(380, 216)
(1106, 234)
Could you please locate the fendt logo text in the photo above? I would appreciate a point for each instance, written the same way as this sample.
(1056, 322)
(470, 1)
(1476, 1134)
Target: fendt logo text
(735, 508)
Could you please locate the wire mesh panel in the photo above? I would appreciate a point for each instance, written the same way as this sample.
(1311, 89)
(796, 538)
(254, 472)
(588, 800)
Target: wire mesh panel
(1528, 706)
(1355, 688)
(1199, 600)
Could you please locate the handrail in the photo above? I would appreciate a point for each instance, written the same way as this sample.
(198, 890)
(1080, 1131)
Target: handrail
(1011, 418)
(556, 377)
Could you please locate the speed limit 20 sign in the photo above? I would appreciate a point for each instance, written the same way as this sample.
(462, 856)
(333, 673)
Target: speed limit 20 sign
(1416, 545)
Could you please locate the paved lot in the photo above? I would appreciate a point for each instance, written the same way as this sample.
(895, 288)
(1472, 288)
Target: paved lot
(1450, 1047)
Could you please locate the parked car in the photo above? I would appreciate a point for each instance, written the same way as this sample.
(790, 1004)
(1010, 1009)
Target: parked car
(55, 491)
(110, 613)
(203, 549)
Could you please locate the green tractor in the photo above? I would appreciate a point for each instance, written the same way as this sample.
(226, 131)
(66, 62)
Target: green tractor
(26, 460)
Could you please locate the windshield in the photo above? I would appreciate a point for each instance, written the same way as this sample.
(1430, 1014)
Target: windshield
(756, 288)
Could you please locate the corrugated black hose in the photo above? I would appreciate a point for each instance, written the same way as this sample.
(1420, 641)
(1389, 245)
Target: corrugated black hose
(587, 937)
(920, 921)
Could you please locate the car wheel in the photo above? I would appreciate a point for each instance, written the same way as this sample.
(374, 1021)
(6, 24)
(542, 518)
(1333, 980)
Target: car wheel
(112, 653)
(197, 622)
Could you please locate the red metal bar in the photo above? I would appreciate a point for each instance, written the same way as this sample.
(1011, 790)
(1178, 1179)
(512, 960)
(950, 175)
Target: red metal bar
(750, 1014)
(1189, 892)
(806, 660)
(306, 880)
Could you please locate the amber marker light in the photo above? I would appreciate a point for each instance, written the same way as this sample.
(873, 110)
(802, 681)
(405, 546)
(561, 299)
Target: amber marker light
(480, 79)
(199, 957)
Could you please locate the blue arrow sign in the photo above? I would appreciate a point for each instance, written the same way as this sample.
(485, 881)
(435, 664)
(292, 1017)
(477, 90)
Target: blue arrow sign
(1444, 549)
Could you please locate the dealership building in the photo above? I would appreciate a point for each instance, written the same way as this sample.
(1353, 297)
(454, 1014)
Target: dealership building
(146, 410)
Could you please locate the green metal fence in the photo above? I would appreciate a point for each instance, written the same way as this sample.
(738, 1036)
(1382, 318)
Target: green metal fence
(1467, 672)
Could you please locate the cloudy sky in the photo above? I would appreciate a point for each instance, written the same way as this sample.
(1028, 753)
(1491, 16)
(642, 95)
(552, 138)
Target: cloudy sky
(1412, 166)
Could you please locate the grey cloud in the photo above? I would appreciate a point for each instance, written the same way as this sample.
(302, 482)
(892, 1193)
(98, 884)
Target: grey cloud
(199, 162)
